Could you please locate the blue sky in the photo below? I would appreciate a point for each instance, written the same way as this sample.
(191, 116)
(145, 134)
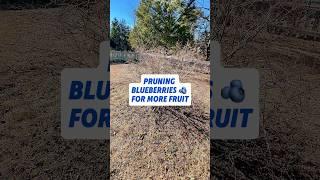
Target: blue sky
(125, 9)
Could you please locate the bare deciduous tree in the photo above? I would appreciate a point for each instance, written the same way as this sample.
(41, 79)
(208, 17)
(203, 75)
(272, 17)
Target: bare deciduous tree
(239, 22)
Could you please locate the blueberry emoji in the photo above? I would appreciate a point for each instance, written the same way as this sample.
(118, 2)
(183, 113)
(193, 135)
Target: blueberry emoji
(183, 90)
(237, 94)
(225, 92)
(236, 83)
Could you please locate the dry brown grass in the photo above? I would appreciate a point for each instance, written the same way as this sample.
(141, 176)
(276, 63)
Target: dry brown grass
(288, 143)
(159, 142)
(153, 142)
(31, 59)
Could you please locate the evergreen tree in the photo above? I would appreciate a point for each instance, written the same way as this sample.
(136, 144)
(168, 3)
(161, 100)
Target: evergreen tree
(119, 35)
(164, 23)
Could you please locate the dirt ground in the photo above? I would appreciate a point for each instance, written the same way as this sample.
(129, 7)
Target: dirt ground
(31, 59)
(289, 143)
(154, 143)
(162, 142)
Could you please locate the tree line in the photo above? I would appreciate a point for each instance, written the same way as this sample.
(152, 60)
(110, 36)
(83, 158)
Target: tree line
(161, 23)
